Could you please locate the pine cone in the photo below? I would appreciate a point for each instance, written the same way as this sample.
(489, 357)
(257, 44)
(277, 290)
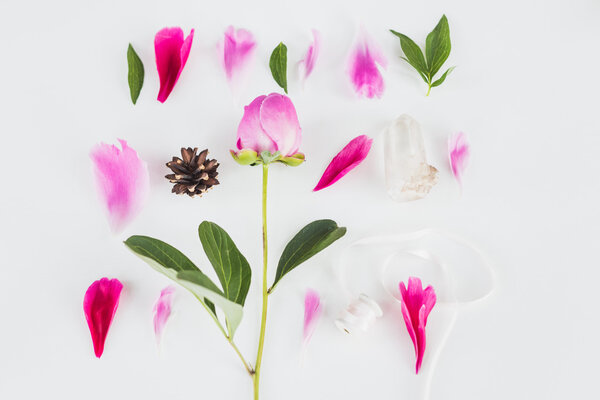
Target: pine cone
(193, 174)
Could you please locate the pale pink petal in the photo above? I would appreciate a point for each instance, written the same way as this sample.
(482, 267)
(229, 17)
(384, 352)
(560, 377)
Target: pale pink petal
(307, 64)
(459, 152)
(237, 49)
(162, 310)
(416, 306)
(122, 180)
(351, 156)
(171, 52)
(250, 134)
(312, 312)
(279, 121)
(100, 305)
(364, 72)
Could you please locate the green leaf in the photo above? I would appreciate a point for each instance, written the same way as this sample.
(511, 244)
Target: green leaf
(413, 53)
(135, 76)
(278, 65)
(421, 74)
(437, 46)
(230, 265)
(311, 239)
(443, 77)
(172, 263)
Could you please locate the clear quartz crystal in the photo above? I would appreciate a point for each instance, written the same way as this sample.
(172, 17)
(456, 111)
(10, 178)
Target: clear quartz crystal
(407, 174)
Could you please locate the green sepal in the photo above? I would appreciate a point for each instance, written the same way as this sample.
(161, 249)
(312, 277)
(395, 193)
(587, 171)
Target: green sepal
(266, 157)
(244, 157)
(293, 160)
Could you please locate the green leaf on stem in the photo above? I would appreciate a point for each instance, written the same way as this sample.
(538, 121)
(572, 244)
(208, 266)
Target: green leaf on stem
(437, 46)
(442, 78)
(172, 263)
(311, 239)
(231, 266)
(414, 55)
(278, 65)
(135, 76)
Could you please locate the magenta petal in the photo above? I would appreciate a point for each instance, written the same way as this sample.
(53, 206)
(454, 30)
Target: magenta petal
(312, 312)
(363, 70)
(99, 305)
(250, 134)
(237, 47)
(307, 64)
(171, 52)
(416, 306)
(346, 160)
(162, 310)
(459, 152)
(279, 121)
(122, 180)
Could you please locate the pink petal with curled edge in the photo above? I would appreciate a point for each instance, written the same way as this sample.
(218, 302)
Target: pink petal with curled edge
(364, 73)
(250, 134)
(162, 311)
(122, 180)
(237, 49)
(279, 120)
(99, 305)
(307, 64)
(346, 160)
(312, 312)
(171, 52)
(459, 152)
(416, 306)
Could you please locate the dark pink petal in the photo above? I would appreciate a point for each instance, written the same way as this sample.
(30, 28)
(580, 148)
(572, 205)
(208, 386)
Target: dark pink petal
(416, 306)
(363, 70)
(346, 160)
(237, 49)
(307, 64)
(171, 52)
(162, 310)
(122, 180)
(279, 121)
(459, 152)
(312, 312)
(99, 305)
(250, 134)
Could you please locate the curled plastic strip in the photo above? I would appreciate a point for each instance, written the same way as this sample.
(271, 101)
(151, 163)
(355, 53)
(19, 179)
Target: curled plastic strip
(459, 272)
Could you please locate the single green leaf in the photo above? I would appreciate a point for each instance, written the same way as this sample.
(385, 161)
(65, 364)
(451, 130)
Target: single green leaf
(135, 76)
(172, 263)
(437, 46)
(442, 78)
(311, 239)
(231, 266)
(278, 65)
(413, 53)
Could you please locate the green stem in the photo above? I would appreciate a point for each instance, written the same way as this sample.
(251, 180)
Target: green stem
(263, 321)
(428, 90)
(248, 367)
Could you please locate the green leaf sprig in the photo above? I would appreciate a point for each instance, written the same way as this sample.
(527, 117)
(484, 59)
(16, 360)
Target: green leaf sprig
(278, 65)
(437, 50)
(135, 76)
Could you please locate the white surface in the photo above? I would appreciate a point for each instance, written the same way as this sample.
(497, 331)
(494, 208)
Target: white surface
(525, 90)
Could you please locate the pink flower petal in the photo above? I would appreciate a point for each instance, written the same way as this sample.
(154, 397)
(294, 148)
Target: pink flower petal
(171, 52)
(346, 160)
(162, 310)
(307, 64)
(312, 312)
(416, 306)
(250, 134)
(99, 305)
(237, 49)
(279, 120)
(363, 70)
(459, 152)
(122, 180)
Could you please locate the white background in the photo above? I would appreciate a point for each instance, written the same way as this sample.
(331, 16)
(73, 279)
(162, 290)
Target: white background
(525, 90)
